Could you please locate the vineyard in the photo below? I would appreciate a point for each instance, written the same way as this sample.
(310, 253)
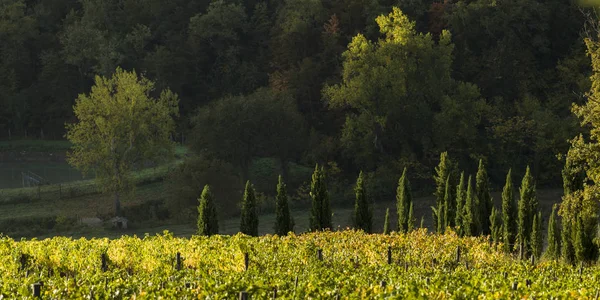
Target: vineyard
(343, 264)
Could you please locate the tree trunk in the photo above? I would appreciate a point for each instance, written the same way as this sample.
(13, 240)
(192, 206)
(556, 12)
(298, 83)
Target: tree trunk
(117, 204)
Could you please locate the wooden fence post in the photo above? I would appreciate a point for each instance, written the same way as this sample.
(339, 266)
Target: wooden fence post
(37, 289)
(103, 258)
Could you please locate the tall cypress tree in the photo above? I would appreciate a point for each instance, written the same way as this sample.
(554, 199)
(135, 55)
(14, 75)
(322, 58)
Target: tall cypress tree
(386, 223)
(509, 214)
(483, 201)
(468, 215)
(495, 228)
(449, 204)
(283, 220)
(553, 250)
(411, 219)
(316, 218)
(208, 223)
(567, 251)
(579, 241)
(442, 171)
(527, 207)
(403, 201)
(537, 241)
(249, 217)
(439, 213)
(325, 205)
(460, 200)
(363, 216)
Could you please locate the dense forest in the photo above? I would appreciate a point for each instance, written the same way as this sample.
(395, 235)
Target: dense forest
(333, 82)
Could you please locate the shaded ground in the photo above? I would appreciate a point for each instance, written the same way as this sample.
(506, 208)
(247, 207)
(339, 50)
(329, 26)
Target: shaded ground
(341, 219)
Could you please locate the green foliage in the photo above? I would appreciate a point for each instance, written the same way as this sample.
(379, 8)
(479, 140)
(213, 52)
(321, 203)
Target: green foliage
(283, 220)
(119, 126)
(527, 208)
(553, 249)
(509, 214)
(208, 224)
(461, 194)
(249, 215)
(536, 239)
(579, 241)
(403, 201)
(484, 202)
(363, 214)
(320, 217)
(386, 222)
(468, 219)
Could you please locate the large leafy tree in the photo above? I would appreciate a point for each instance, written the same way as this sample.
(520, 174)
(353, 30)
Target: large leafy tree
(386, 90)
(120, 126)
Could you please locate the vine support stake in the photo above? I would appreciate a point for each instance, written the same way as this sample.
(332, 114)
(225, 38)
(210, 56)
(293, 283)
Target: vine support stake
(383, 283)
(178, 261)
(37, 289)
(458, 254)
(389, 256)
(243, 296)
(103, 259)
(274, 293)
(246, 261)
(320, 254)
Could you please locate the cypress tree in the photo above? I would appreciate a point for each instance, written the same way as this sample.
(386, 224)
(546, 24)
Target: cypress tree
(208, 223)
(527, 207)
(411, 219)
(579, 243)
(439, 213)
(449, 204)
(468, 215)
(249, 217)
(320, 217)
(553, 250)
(483, 200)
(495, 228)
(422, 225)
(283, 220)
(537, 241)
(509, 213)
(363, 218)
(386, 223)
(460, 200)
(567, 252)
(442, 171)
(403, 201)
(325, 205)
